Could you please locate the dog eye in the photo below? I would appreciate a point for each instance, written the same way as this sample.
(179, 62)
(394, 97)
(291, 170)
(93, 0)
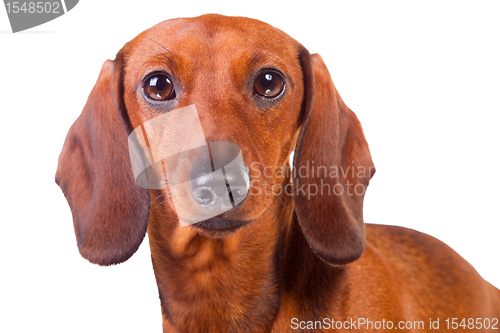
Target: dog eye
(269, 84)
(159, 87)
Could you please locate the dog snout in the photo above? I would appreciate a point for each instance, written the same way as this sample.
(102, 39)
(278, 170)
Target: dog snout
(208, 188)
(227, 186)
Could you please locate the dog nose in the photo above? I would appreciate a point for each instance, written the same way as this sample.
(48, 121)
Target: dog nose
(224, 187)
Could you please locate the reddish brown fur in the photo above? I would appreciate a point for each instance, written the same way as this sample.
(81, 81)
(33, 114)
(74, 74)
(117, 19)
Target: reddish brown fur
(311, 264)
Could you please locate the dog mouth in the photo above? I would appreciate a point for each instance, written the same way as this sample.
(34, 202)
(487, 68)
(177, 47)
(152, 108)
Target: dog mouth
(220, 226)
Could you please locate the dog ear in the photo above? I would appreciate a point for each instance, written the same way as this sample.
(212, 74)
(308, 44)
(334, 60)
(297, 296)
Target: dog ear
(110, 213)
(332, 166)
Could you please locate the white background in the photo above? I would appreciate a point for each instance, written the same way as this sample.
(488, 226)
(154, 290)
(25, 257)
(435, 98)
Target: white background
(424, 80)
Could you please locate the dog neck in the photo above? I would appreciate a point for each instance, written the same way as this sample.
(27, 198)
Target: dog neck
(228, 284)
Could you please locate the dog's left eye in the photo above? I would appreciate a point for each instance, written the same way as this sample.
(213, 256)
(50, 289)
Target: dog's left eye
(159, 87)
(269, 84)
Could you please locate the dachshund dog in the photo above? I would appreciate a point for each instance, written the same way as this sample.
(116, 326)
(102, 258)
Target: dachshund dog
(295, 254)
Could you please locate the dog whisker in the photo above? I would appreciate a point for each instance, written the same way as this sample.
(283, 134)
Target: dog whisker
(160, 196)
(161, 203)
(163, 54)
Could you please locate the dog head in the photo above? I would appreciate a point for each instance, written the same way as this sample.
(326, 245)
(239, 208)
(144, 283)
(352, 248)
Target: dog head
(252, 86)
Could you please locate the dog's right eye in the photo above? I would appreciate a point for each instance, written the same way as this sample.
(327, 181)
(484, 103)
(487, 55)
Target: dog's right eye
(269, 84)
(159, 87)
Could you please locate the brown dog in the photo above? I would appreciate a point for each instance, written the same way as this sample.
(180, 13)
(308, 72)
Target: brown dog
(295, 255)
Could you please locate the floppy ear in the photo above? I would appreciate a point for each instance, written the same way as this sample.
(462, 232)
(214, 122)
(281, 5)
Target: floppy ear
(336, 166)
(110, 213)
